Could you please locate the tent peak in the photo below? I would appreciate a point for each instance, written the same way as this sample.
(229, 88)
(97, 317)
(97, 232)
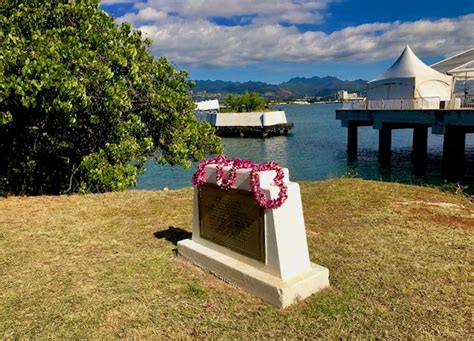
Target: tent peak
(410, 78)
(408, 65)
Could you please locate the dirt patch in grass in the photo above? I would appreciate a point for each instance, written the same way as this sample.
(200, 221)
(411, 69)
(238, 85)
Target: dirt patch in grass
(466, 222)
(104, 266)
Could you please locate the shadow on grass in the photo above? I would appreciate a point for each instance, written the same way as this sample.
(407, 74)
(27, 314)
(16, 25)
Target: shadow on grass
(173, 234)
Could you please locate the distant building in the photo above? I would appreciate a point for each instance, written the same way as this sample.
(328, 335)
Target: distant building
(343, 95)
(301, 101)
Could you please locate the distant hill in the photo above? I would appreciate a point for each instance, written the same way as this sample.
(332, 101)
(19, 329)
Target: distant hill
(294, 88)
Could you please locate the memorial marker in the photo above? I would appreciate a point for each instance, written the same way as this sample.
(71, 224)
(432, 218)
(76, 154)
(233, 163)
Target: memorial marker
(233, 219)
(261, 250)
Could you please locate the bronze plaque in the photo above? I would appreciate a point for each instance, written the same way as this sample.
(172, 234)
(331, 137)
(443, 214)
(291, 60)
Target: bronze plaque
(232, 219)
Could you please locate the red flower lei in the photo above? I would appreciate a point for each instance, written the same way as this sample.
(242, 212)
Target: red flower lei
(235, 163)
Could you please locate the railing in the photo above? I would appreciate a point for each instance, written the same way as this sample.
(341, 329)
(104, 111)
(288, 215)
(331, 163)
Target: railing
(354, 105)
(398, 104)
(467, 101)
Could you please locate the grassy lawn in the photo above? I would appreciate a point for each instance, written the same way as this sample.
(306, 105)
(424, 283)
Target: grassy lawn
(94, 266)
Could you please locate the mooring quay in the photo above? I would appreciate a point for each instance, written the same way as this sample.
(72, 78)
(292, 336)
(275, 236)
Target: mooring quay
(248, 124)
(453, 124)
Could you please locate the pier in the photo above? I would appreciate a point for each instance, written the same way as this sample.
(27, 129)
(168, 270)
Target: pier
(453, 124)
(413, 95)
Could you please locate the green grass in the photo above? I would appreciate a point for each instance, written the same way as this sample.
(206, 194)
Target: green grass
(400, 259)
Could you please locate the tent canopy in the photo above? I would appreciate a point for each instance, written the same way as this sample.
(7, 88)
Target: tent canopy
(410, 78)
(458, 64)
(465, 71)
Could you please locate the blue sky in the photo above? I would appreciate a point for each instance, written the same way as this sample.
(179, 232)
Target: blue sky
(275, 40)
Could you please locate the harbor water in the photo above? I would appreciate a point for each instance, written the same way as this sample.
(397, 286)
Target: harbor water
(316, 149)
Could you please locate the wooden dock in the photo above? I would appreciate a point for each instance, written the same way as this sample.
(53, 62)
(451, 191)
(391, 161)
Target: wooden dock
(453, 124)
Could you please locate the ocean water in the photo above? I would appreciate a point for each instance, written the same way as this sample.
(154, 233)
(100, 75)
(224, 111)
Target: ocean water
(315, 149)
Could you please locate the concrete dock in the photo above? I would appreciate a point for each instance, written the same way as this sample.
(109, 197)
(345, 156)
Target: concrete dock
(249, 124)
(453, 124)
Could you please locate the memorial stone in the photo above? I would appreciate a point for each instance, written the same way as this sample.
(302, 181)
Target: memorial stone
(262, 251)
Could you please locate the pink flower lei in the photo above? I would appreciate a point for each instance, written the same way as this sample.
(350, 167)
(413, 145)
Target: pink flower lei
(235, 164)
(277, 180)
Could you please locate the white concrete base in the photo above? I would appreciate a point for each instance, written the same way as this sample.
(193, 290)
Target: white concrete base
(270, 288)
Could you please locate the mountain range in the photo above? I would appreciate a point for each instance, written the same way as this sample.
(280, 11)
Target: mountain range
(294, 88)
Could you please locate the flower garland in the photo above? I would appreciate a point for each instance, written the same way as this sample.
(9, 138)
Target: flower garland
(277, 180)
(221, 181)
(236, 164)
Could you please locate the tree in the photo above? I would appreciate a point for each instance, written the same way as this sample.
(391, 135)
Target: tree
(84, 104)
(249, 101)
(252, 101)
(231, 103)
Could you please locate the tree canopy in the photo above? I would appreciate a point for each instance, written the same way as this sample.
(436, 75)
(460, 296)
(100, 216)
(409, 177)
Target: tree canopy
(249, 101)
(84, 104)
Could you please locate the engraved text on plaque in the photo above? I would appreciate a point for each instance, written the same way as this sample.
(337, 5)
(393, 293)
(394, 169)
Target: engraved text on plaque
(232, 219)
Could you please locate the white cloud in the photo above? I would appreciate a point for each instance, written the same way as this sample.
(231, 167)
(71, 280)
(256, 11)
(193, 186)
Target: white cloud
(182, 31)
(291, 11)
(145, 14)
(207, 44)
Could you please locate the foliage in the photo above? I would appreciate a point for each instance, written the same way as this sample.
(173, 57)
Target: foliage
(452, 187)
(83, 103)
(350, 174)
(249, 101)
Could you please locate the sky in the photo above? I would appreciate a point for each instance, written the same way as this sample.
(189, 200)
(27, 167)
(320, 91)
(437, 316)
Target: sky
(275, 40)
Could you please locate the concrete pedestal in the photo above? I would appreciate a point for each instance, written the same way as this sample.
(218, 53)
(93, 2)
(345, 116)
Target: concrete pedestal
(286, 275)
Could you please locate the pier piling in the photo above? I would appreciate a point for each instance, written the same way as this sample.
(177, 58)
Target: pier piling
(420, 142)
(454, 145)
(454, 124)
(352, 130)
(385, 143)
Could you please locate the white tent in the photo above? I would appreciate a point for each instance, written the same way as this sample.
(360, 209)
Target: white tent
(410, 78)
